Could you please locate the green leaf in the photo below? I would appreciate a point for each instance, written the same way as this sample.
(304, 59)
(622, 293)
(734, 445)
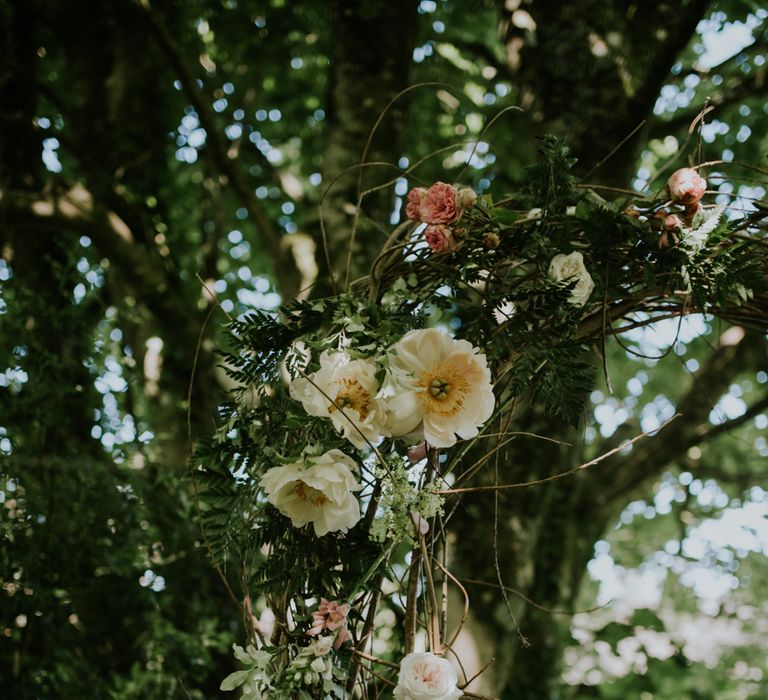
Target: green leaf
(234, 680)
(613, 633)
(644, 617)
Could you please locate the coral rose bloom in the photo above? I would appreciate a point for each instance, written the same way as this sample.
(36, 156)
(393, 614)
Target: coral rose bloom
(686, 186)
(439, 238)
(438, 206)
(413, 203)
(444, 388)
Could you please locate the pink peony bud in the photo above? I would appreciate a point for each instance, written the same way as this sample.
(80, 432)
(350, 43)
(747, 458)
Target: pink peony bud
(421, 525)
(417, 453)
(438, 205)
(439, 238)
(686, 186)
(413, 203)
(466, 197)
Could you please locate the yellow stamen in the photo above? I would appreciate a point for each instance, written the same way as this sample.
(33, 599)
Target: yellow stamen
(444, 390)
(307, 493)
(352, 395)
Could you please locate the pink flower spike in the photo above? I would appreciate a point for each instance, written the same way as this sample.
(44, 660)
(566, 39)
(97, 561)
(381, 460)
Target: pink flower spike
(318, 624)
(439, 205)
(337, 615)
(330, 615)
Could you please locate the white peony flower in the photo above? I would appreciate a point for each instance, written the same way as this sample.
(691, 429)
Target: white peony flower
(567, 268)
(424, 676)
(352, 386)
(441, 388)
(318, 491)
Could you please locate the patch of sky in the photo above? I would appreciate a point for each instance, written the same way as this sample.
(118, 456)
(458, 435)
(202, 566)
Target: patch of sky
(50, 156)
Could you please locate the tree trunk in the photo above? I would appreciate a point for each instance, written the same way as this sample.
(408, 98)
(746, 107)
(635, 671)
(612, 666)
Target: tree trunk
(370, 65)
(591, 71)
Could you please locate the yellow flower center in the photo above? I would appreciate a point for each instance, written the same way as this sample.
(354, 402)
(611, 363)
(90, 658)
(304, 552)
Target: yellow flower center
(352, 395)
(307, 493)
(444, 389)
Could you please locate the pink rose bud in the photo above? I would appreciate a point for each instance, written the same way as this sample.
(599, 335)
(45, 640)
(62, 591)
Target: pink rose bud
(686, 186)
(413, 203)
(421, 525)
(672, 223)
(466, 198)
(439, 205)
(439, 238)
(417, 453)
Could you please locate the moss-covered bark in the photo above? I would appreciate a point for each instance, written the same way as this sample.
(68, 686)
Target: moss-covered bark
(373, 43)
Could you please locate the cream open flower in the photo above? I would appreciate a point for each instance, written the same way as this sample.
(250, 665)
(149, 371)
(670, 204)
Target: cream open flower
(570, 268)
(346, 384)
(318, 491)
(444, 388)
(425, 676)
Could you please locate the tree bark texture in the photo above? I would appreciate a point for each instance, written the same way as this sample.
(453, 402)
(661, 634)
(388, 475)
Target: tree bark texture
(591, 71)
(373, 43)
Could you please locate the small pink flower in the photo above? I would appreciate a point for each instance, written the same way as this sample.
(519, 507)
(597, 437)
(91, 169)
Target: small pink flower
(330, 615)
(438, 206)
(318, 624)
(341, 636)
(417, 453)
(439, 238)
(336, 615)
(686, 186)
(413, 203)
(672, 223)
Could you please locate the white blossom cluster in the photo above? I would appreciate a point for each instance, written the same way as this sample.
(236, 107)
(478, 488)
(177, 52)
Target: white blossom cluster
(435, 389)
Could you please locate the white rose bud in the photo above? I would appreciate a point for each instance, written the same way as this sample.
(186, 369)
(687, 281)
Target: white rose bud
(425, 676)
(466, 197)
(570, 268)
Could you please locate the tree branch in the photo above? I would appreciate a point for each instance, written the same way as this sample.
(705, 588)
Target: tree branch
(736, 352)
(288, 279)
(75, 210)
(753, 85)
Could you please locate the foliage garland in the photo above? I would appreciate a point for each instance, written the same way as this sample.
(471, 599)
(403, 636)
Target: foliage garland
(538, 280)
